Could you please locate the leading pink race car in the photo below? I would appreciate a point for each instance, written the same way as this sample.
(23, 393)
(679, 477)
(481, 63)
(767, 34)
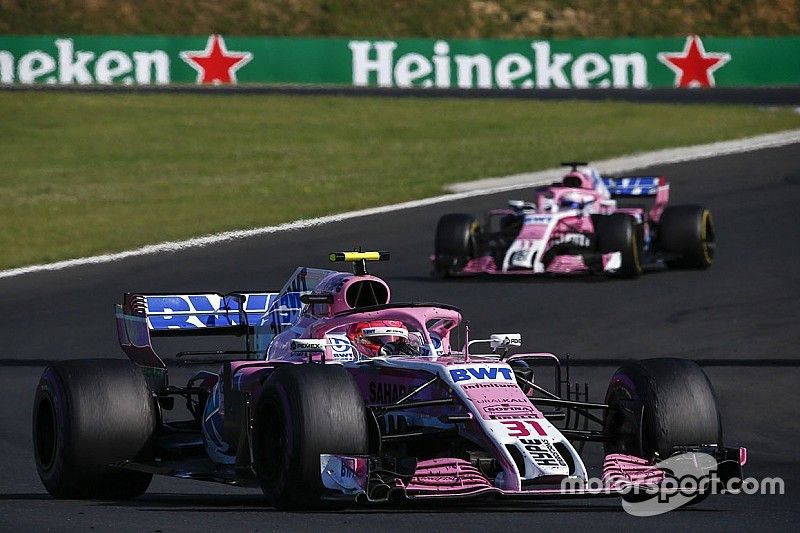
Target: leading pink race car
(584, 223)
(339, 396)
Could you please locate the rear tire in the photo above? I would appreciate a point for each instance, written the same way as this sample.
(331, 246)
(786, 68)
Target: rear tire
(304, 411)
(89, 414)
(657, 404)
(687, 232)
(456, 242)
(619, 232)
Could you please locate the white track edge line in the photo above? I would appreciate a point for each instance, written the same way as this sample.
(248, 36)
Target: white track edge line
(460, 190)
(647, 159)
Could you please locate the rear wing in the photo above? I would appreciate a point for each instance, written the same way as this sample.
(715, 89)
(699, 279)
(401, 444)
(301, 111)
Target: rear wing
(202, 313)
(256, 316)
(143, 316)
(628, 186)
(655, 188)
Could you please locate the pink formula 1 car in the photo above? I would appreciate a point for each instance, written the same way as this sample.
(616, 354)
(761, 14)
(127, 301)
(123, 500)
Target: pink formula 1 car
(340, 395)
(583, 223)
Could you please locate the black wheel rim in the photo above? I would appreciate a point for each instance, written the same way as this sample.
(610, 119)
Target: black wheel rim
(274, 442)
(46, 435)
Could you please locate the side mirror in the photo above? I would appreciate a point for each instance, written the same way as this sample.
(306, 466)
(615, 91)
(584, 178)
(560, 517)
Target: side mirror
(504, 340)
(308, 345)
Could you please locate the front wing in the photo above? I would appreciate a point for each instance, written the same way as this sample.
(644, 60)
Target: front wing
(559, 264)
(368, 479)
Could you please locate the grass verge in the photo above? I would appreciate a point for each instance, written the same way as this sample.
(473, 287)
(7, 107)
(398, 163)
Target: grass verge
(86, 174)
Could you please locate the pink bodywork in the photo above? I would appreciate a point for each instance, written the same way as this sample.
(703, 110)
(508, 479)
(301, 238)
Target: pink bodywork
(620, 470)
(450, 476)
(547, 201)
(446, 475)
(385, 380)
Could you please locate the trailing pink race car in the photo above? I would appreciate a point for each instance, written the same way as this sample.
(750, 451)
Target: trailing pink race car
(340, 395)
(583, 223)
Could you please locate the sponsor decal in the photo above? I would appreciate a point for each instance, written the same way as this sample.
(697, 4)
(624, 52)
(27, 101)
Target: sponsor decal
(347, 469)
(537, 67)
(437, 344)
(68, 66)
(282, 313)
(489, 385)
(481, 373)
(344, 474)
(388, 331)
(578, 239)
(462, 64)
(203, 310)
(633, 186)
(542, 452)
(515, 417)
(341, 349)
(216, 65)
(508, 409)
(506, 400)
(538, 219)
(382, 392)
(71, 64)
(694, 67)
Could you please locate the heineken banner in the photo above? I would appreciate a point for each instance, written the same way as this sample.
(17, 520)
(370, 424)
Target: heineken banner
(690, 61)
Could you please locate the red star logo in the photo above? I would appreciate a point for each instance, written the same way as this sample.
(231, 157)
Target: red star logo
(694, 67)
(216, 64)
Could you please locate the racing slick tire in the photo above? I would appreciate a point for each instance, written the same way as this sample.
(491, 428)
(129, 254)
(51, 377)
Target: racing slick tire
(87, 415)
(619, 232)
(455, 242)
(686, 232)
(302, 412)
(658, 404)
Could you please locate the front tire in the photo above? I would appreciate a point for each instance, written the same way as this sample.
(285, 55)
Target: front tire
(89, 414)
(686, 233)
(304, 411)
(658, 404)
(619, 232)
(456, 242)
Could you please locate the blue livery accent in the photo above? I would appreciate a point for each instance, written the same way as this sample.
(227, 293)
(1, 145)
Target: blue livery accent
(633, 186)
(284, 311)
(197, 311)
(538, 219)
(481, 373)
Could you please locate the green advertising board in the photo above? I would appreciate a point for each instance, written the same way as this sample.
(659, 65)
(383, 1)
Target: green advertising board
(690, 61)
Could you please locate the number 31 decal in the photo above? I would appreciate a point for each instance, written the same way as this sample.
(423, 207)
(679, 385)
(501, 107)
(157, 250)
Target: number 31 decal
(517, 428)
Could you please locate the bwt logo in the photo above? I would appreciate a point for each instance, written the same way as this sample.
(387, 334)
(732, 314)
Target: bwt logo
(481, 373)
(203, 310)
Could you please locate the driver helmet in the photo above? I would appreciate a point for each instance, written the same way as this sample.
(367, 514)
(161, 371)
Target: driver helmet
(578, 180)
(378, 337)
(590, 179)
(571, 200)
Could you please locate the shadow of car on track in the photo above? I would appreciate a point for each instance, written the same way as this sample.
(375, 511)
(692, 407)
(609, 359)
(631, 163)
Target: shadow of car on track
(227, 503)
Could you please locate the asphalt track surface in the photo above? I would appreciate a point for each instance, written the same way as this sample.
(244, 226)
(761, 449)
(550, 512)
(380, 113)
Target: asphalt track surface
(740, 318)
